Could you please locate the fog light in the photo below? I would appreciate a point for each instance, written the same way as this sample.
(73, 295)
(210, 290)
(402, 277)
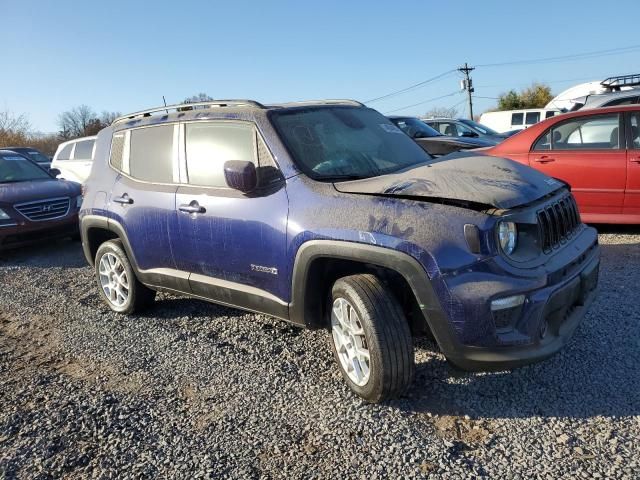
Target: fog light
(507, 302)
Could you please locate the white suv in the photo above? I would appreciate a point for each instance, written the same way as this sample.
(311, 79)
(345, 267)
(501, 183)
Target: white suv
(74, 159)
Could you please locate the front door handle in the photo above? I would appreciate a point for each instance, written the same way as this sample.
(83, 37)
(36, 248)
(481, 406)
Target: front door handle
(544, 159)
(193, 207)
(636, 160)
(125, 199)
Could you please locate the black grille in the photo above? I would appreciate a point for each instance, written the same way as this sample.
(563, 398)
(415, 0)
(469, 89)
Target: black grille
(558, 221)
(44, 209)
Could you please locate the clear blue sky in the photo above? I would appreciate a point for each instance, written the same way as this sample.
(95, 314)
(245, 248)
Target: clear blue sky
(124, 55)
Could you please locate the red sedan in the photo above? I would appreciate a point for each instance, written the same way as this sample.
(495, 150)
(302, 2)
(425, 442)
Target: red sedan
(597, 152)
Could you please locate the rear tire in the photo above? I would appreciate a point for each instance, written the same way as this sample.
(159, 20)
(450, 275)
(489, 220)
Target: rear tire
(118, 285)
(370, 338)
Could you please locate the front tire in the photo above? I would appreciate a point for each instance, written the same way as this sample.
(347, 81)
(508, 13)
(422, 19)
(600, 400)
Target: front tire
(118, 285)
(370, 338)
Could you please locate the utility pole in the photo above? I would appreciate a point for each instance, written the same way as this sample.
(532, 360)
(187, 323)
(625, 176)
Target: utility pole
(467, 84)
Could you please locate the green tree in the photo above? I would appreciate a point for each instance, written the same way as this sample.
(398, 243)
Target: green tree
(535, 96)
(509, 101)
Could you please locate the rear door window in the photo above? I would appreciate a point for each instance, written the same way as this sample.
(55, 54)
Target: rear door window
(84, 150)
(151, 154)
(209, 145)
(65, 153)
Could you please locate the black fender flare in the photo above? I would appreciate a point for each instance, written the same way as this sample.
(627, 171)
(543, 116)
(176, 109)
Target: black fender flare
(402, 263)
(104, 223)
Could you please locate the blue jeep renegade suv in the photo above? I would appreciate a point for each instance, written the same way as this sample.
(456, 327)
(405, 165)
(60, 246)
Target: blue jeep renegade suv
(326, 215)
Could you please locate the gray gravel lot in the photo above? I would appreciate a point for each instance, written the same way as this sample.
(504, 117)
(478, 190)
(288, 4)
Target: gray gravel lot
(193, 390)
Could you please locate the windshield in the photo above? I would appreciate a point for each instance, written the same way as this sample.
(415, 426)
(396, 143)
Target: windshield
(415, 128)
(330, 143)
(38, 157)
(14, 168)
(478, 127)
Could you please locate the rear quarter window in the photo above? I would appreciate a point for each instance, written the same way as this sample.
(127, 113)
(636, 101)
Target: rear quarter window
(65, 153)
(84, 150)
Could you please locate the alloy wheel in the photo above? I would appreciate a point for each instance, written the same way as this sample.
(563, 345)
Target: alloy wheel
(350, 342)
(113, 279)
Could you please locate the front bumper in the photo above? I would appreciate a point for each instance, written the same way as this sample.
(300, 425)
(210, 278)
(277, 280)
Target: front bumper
(24, 233)
(557, 296)
(565, 307)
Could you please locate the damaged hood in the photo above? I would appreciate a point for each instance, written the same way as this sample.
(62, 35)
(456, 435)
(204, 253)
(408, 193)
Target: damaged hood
(468, 177)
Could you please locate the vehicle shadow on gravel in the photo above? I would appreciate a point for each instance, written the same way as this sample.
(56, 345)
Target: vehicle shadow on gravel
(167, 307)
(62, 253)
(558, 387)
(617, 229)
(596, 374)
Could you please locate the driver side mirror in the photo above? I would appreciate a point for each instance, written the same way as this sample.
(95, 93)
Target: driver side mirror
(241, 175)
(54, 172)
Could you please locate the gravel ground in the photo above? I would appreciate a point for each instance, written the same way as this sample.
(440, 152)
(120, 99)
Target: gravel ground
(193, 390)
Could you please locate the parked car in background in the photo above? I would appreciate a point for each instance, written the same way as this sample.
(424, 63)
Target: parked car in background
(33, 154)
(611, 92)
(463, 127)
(507, 120)
(327, 215)
(74, 159)
(432, 141)
(597, 152)
(34, 205)
(612, 99)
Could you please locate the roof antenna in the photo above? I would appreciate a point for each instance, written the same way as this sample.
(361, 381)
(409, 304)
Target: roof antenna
(165, 102)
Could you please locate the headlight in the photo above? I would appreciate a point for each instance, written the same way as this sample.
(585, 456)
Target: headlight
(78, 201)
(3, 215)
(508, 235)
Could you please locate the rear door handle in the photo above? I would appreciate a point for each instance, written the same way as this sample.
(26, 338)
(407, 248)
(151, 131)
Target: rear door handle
(193, 207)
(636, 160)
(124, 200)
(544, 159)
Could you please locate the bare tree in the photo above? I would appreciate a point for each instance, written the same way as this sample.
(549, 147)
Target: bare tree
(201, 97)
(442, 112)
(77, 122)
(14, 129)
(14, 123)
(107, 118)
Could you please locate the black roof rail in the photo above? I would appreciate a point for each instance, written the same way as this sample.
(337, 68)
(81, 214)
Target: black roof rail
(614, 83)
(190, 106)
(320, 102)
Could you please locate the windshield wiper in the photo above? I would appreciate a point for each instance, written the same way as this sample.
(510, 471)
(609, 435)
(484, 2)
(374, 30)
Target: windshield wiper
(344, 177)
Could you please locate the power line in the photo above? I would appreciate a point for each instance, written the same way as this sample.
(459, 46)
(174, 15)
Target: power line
(575, 56)
(411, 87)
(423, 102)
